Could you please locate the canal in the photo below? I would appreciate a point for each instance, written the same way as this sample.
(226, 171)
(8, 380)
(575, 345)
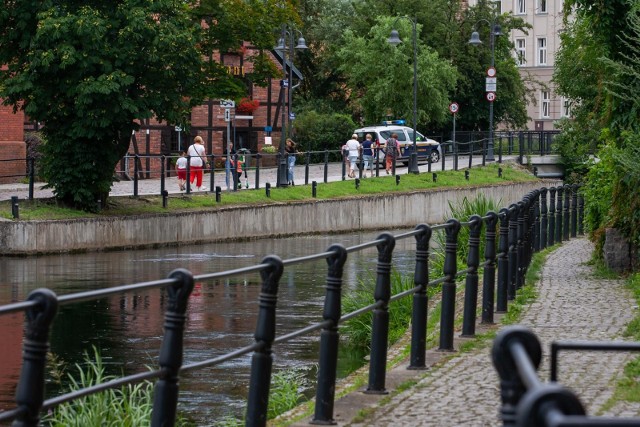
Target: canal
(127, 328)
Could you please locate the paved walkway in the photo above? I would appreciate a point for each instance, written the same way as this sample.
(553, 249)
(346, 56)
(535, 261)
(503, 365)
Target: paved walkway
(571, 304)
(152, 186)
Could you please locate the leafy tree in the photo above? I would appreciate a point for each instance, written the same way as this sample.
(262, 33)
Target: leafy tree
(380, 76)
(90, 70)
(317, 131)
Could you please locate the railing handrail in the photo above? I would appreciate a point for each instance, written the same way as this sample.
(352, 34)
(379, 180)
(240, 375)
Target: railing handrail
(512, 262)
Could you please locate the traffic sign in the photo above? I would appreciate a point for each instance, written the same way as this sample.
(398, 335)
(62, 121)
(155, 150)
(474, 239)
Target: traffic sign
(491, 71)
(491, 96)
(491, 83)
(227, 115)
(292, 116)
(178, 129)
(227, 103)
(454, 107)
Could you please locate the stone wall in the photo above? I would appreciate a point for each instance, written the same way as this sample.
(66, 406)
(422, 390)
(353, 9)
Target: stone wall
(619, 255)
(258, 221)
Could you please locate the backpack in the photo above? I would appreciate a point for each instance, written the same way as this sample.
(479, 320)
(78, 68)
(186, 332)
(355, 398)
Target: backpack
(391, 150)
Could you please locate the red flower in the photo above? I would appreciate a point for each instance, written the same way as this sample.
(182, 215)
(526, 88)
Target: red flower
(247, 106)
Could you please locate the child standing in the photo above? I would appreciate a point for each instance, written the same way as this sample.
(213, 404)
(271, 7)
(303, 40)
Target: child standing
(181, 168)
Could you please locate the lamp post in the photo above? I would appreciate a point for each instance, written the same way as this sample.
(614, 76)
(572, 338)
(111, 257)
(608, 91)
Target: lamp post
(475, 41)
(285, 43)
(394, 39)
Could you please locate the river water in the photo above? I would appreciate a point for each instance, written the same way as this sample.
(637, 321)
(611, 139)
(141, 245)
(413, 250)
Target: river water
(127, 328)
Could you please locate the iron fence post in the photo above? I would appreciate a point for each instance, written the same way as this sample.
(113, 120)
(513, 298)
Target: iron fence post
(329, 338)
(262, 359)
(448, 305)
(30, 388)
(326, 165)
(162, 183)
(306, 167)
(536, 222)
(514, 213)
(188, 176)
(136, 159)
(559, 215)
(503, 262)
(520, 146)
(212, 172)
(258, 158)
(489, 275)
(32, 176)
(566, 228)
(522, 211)
(380, 324)
(420, 299)
(165, 396)
(544, 221)
(552, 216)
(471, 281)
(580, 214)
(512, 389)
(574, 210)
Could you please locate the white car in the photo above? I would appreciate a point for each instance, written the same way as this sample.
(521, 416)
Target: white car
(428, 149)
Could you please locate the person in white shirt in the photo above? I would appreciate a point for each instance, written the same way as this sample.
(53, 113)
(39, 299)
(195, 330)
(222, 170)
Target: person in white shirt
(197, 160)
(354, 147)
(181, 168)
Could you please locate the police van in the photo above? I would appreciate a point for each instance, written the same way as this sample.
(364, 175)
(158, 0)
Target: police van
(428, 149)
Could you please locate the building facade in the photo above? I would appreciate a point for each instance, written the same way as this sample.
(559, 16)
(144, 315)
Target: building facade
(535, 54)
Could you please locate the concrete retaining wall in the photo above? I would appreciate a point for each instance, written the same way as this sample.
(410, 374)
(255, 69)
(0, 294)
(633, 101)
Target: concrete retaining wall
(232, 223)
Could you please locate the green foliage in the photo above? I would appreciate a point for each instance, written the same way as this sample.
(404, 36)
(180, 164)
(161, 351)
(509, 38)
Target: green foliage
(129, 406)
(357, 331)
(315, 131)
(462, 210)
(286, 391)
(381, 76)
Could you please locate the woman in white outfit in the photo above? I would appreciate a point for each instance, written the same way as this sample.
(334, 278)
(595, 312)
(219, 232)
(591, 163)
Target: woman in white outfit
(354, 147)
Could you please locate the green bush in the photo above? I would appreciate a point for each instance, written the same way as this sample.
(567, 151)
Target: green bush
(316, 131)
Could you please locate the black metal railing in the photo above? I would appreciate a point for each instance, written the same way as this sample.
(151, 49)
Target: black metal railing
(526, 400)
(512, 236)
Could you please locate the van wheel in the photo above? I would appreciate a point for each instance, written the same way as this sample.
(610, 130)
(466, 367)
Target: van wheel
(434, 157)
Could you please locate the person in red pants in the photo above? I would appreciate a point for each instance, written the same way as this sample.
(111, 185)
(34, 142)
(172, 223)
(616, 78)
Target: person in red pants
(197, 160)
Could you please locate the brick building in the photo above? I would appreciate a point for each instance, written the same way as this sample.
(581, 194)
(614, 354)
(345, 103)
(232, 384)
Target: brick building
(157, 138)
(13, 151)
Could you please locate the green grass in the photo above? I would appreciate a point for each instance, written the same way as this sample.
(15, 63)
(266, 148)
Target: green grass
(44, 209)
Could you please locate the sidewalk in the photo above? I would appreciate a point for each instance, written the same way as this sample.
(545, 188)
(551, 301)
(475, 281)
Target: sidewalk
(463, 390)
(152, 186)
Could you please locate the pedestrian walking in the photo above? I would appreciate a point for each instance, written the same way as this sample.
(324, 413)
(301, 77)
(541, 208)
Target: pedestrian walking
(391, 152)
(353, 146)
(181, 169)
(197, 159)
(367, 154)
(292, 150)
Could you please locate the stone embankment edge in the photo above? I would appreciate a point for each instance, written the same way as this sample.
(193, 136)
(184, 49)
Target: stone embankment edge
(21, 238)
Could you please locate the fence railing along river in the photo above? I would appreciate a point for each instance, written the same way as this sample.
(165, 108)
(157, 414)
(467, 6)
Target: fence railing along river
(512, 236)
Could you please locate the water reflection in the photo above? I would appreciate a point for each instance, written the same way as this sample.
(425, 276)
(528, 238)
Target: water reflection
(222, 314)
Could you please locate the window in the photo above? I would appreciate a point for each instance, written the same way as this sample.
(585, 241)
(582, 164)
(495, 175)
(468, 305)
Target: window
(521, 7)
(521, 52)
(497, 5)
(545, 104)
(542, 6)
(542, 51)
(566, 107)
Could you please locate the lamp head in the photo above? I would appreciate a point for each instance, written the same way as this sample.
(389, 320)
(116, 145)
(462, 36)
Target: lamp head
(281, 45)
(394, 38)
(302, 43)
(497, 30)
(475, 39)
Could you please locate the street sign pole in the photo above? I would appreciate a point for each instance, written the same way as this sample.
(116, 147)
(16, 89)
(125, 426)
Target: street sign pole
(454, 108)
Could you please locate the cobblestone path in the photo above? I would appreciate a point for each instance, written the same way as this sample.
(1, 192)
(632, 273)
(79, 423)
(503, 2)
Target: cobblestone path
(571, 304)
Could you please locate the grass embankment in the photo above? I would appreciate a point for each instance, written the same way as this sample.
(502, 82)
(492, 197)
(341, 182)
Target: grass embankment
(43, 209)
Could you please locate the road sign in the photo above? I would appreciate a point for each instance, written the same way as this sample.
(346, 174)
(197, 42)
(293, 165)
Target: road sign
(284, 83)
(491, 71)
(227, 115)
(178, 129)
(292, 116)
(227, 103)
(491, 96)
(454, 107)
(491, 83)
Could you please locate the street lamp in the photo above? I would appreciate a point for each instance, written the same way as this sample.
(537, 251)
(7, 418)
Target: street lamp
(394, 39)
(475, 41)
(285, 43)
